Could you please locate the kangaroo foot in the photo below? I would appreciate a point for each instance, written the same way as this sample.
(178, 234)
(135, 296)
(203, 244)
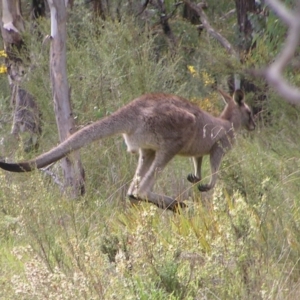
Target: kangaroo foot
(204, 187)
(174, 205)
(192, 178)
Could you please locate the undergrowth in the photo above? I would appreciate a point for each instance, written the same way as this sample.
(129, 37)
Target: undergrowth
(239, 241)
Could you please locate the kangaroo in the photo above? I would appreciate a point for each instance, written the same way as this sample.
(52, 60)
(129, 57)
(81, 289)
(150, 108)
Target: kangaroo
(158, 127)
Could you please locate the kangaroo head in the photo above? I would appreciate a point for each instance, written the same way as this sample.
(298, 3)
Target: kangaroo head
(237, 111)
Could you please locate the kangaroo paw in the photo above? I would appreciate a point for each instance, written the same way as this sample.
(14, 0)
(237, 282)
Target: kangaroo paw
(192, 178)
(132, 197)
(204, 187)
(175, 207)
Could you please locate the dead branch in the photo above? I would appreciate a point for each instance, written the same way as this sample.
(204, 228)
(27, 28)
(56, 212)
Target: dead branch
(164, 21)
(53, 176)
(172, 13)
(198, 8)
(144, 6)
(228, 14)
(274, 72)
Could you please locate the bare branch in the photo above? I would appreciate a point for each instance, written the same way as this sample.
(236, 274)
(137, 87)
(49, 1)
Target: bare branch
(273, 73)
(204, 19)
(54, 176)
(281, 11)
(172, 13)
(160, 5)
(144, 6)
(292, 39)
(228, 14)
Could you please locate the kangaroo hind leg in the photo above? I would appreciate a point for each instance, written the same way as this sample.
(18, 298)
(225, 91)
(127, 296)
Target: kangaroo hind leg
(143, 191)
(146, 158)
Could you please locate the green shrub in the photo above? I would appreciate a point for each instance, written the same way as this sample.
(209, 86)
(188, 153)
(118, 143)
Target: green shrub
(239, 241)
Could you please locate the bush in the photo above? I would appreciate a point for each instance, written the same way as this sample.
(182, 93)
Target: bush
(239, 241)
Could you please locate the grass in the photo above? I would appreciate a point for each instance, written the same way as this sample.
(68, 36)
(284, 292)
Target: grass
(239, 241)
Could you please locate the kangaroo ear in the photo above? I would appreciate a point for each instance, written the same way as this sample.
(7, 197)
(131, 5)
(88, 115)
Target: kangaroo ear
(227, 98)
(239, 97)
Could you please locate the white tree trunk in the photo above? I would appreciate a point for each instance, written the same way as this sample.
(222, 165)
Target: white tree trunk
(71, 165)
(12, 26)
(12, 23)
(23, 103)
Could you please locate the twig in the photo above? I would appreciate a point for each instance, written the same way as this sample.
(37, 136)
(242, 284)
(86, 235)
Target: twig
(228, 14)
(171, 14)
(53, 175)
(144, 6)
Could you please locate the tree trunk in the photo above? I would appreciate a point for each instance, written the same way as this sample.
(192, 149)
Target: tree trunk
(243, 8)
(12, 26)
(38, 9)
(71, 165)
(246, 8)
(26, 113)
(98, 9)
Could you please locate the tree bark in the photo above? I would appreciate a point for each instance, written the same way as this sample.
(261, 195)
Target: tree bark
(38, 9)
(165, 24)
(243, 8)
(71, 165)
(27, 117)
(12, 26)
(98, 9)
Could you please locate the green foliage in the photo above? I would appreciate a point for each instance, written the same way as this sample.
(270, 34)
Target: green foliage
(239, 241)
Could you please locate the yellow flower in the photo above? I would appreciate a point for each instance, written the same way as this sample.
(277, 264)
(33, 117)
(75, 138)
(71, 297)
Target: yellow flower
(192, 70)
(207, 78)
(3, 69)
(3, 54)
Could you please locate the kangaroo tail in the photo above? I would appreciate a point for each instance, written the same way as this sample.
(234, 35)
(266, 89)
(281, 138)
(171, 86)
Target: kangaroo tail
(106, 127)
(20, 167)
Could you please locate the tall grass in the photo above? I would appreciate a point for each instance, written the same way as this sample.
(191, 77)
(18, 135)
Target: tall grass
(240, 241)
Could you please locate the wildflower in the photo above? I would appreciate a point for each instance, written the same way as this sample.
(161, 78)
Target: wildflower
(207, 78)
(3, 53)
(3, 69)
(192, 70)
